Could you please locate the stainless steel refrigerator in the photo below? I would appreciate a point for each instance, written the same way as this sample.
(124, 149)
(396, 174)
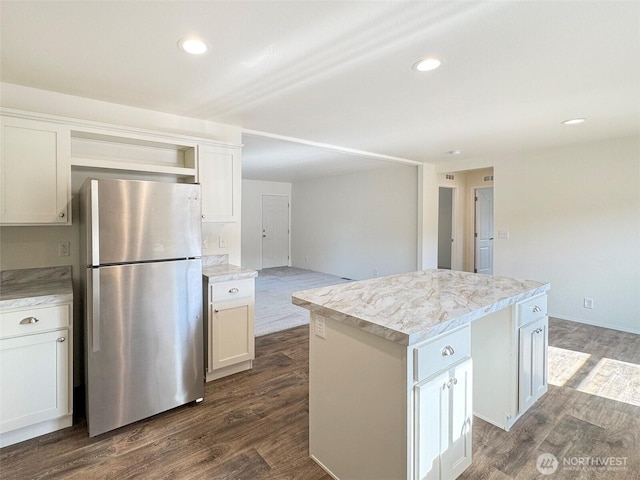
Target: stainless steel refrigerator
(141, 246)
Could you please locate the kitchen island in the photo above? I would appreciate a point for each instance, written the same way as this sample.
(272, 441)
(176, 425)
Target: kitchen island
(399, 365)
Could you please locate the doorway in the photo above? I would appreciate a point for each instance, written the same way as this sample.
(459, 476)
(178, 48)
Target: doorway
(446, 218)
(484, 230)
(275, 231)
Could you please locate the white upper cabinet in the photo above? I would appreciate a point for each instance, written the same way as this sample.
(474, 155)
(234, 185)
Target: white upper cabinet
(35, 173)
(221, 178)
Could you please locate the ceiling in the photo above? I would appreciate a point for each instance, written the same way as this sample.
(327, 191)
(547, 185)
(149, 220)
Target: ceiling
(338, 73)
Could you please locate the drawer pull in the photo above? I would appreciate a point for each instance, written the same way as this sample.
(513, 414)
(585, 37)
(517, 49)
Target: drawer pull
(233, 290)
(28, 320)
(448, 351)
(61, 339)
(536, 309)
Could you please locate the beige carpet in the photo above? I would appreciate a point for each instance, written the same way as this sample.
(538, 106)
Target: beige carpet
(274, 311)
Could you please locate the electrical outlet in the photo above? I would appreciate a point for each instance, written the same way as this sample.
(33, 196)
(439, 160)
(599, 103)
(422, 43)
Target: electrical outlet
(222, 242)
(205, 242)
(375, 272)
(320, 327)
(588, 302)
(64, 249)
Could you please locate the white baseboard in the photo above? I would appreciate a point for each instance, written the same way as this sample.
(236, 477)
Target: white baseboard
(595, 324)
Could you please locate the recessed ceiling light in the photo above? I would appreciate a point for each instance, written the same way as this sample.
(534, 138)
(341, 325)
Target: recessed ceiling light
(454, 152)
(426, 65)
(192, 45)
(574, 121)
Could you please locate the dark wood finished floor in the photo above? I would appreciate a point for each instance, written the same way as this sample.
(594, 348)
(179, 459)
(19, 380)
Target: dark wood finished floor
(254, 425)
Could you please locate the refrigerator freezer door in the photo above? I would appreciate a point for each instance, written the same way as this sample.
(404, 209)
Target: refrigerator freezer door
(145, 354)
(137, 221)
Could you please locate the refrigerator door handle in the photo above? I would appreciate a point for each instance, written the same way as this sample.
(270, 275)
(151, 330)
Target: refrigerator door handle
(95, 224)
(94, 324)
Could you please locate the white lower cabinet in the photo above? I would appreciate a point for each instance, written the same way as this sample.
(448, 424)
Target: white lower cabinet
(443, 418)
(230, 328)
(510, 375)
(35, 372)
(533, 362)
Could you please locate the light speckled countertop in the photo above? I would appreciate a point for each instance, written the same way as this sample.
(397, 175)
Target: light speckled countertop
(411, 307)
(226, 272)
(35, 286)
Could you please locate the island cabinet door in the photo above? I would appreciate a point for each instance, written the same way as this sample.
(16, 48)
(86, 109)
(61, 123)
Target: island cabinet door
(443, 423)
(533, 362)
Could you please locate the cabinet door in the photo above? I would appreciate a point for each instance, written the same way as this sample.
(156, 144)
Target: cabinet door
(455, 442)
(443, 423)
(35, 172)
(429, 422)
(220, 177)
(34, 379)
(232, 336)
(533, 362)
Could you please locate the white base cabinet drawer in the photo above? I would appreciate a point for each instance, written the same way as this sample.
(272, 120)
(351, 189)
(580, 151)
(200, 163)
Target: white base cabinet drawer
(532, 309)
(442, 352)
(34, 320)
(224, 291)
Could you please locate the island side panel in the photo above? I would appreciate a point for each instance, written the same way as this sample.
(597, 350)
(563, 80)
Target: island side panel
(358, 403)
(495, 368)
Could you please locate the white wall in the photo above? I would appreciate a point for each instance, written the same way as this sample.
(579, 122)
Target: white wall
(252, 191)
(573, 216)
(352, 224)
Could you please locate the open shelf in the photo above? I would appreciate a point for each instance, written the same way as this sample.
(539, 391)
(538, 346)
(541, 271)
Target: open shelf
(111, 165)
(99, 150)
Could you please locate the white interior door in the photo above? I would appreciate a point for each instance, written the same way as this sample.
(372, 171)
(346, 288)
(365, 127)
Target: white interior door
(275, 231)
(484, 231)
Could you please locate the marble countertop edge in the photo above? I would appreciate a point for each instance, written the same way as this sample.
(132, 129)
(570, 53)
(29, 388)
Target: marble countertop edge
(31, 287)
(35, 301)
(405, 329)
(226, 273)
